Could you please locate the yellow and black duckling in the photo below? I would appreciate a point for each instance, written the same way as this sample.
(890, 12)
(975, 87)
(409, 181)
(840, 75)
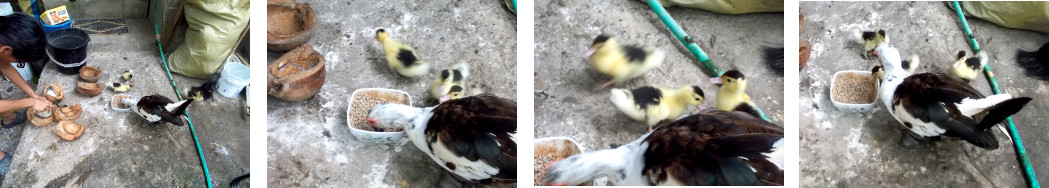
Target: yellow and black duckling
(968, 68)
(401, 57)
(653, 104)
(911, 64)
(621, 62)
(931, 105)
(732, 95)
(870, 40)
(472, 137)
(449, 84)
(713, 147)
(205, 91)
(126, 75)
(119, 87)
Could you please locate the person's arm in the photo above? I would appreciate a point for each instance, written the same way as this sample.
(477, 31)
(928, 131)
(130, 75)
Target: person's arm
(12, 105)
(12, 74)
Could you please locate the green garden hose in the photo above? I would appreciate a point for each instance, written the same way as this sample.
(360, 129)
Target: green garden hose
(704, 61)
(1017, 142)
(200, 152)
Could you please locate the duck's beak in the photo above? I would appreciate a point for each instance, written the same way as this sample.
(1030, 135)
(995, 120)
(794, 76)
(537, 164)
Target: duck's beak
(445, 98)
(589, 52)
(715, 80)
(372, 122)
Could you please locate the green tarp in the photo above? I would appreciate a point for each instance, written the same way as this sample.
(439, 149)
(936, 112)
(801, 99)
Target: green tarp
(729, 6)
(1029, 15)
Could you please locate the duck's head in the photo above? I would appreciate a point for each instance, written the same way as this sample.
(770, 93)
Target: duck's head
(391, 115)
(454, 92)
(734, 80)
(579, 169)
(695, 95)
(878, 72)
(599, 43)
(381, 35)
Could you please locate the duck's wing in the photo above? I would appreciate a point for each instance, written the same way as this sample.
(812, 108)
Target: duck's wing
(478, 128)
(745, 121)
(926, 95)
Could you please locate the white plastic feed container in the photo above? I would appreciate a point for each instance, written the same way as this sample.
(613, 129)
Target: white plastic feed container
(858, 108)
(234, 77)
(127, 101)
(371, 136)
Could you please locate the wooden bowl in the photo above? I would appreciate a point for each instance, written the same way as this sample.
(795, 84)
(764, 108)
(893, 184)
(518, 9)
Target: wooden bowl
(289, 26)
(40, 121)
(90, 89)
(52, 92)
(69, 130)
(68, 113)
(90, 74)
(297, 75)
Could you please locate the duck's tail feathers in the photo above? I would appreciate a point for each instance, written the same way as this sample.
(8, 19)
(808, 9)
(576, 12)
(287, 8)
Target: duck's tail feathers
(750, 145)
(997, 113)
(179, 108)
(1035, 63)
(774, 59)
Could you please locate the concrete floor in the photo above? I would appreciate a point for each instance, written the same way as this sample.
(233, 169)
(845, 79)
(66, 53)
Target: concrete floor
(849, 149)
(309, 143)
(118, 149)
(564, 103)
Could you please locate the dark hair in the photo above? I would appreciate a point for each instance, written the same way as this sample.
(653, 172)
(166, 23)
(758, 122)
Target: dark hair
(24, 34)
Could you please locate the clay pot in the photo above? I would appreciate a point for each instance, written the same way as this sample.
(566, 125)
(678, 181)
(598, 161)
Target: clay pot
(52, 92)
(288, 26)
(68, 113)
(41, 121)
(90, 74)
(90, 89)
(69, 130)
(297, 75)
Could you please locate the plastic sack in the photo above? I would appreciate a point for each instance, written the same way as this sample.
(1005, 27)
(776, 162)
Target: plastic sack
(1029, 15)
(728, 6)
(214, 27)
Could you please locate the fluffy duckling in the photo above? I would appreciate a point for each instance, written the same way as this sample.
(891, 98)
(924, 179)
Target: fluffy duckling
(156, 108)
(472, 137)
(126, 75)
(713, 147)
(119, 87)
(450, 80)
(621, 62)
(870, 40)
(653, 104)
(732, 95)
(931, 105)
(968, 68)
(401, 57)
(911, 64)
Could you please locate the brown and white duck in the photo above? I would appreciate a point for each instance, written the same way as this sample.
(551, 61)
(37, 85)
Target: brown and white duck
(713, 147)
(156, 108)
(931, 105)
(471, 137)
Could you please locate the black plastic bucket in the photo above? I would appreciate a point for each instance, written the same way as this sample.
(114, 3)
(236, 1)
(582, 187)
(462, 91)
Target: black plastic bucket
(68, 49)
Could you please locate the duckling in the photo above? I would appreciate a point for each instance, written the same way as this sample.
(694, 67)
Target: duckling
(911, 64)
(713, 147)
(119, 87)
(205, 90)
(472, 137)
(456, 92)
(931, 105)
(968, 68)
(126, 75)
(156, 108)
(401, 57)
(653, 104)
(870, 40)
(621, 62)
(449, 78)
(732, 95)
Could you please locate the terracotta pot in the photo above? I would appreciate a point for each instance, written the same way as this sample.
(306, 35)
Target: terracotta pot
(297, 75)
(288, 26)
